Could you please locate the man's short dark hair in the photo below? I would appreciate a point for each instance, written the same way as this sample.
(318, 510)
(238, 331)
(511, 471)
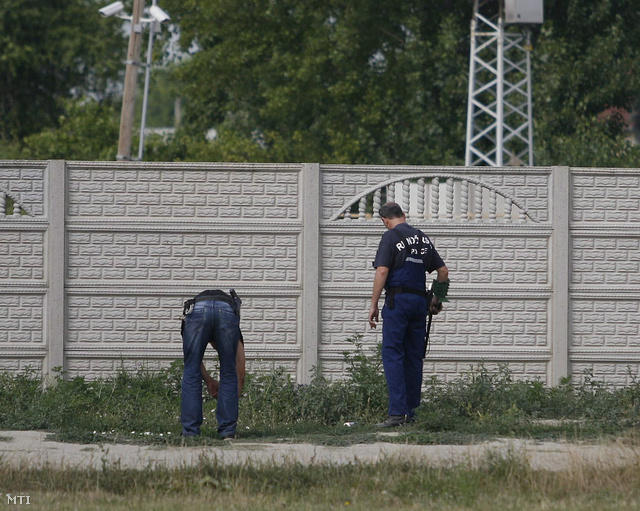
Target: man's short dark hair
(391, 210)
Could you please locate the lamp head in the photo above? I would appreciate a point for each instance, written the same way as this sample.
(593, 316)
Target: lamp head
(111, 9)
(158, 14)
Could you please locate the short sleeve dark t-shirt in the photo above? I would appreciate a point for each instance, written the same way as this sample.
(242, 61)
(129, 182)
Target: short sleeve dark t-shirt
(408, 253)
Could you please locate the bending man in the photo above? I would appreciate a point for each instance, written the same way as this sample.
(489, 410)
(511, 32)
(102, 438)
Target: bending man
(211, 317)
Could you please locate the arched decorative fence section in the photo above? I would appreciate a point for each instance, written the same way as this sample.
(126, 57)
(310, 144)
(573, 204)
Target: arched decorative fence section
(10, 207)
(437, 198)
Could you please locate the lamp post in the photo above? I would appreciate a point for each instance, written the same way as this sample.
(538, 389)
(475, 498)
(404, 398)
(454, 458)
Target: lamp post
(145, 95)
(131, 74)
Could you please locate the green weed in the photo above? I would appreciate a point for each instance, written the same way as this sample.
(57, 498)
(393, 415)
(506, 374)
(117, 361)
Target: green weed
(143, 406)
(274, 399)
(483, 401)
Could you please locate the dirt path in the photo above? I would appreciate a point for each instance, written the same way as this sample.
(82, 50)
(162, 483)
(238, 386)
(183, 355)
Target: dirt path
(31, 448)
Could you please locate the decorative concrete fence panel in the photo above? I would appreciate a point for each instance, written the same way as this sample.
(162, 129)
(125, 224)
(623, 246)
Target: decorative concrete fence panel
(605, 273)
(23, 264)
(492, 227)
(96, 259)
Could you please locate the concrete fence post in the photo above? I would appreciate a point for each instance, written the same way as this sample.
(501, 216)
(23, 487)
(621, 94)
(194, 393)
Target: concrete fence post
(310, 268)
(560, 273)
(55, 262)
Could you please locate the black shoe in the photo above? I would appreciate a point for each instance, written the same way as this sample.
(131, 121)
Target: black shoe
(230, 438)
(393, 420)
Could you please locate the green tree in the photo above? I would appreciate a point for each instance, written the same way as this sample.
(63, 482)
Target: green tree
(386, 82)
(586, 61)
(50, 51)
(360, 81)
(163, 93)
(331, 80)
(88, 130)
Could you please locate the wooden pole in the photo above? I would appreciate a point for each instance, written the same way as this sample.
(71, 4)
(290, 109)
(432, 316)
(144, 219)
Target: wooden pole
(130, 78)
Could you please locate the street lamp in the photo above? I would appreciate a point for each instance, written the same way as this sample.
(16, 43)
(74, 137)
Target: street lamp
(133, 55)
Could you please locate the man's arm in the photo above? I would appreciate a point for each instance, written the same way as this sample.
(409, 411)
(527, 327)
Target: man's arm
(442, 276)
(240, 367)
(379, 281)
(213, 385)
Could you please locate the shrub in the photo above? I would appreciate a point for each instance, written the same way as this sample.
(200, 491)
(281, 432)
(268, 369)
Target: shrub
(146, 404)
(275, 399)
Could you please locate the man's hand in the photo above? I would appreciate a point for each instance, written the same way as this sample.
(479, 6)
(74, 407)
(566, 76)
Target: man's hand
(378, 285)
(212, 386)
(435, 306)
(373, 316)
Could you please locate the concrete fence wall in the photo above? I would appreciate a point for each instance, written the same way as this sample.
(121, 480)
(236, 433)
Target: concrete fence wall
(96, 259)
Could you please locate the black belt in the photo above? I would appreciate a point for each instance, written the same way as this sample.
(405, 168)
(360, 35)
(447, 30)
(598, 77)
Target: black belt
(398, 290)
(214, 295)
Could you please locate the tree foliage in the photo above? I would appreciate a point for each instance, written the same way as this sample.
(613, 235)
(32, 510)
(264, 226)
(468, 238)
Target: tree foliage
(385, 82)
(88, 130)
(50, 51)
(359, 81)
(586, 61)
(331, 80)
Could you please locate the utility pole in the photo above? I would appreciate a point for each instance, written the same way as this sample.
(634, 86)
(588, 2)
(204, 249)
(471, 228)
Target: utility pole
(130, 78)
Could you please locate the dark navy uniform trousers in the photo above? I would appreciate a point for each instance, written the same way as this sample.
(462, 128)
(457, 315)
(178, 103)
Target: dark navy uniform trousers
(403, 334)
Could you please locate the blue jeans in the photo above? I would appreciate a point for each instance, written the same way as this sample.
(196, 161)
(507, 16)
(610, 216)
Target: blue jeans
(210, 322)
(403, 335)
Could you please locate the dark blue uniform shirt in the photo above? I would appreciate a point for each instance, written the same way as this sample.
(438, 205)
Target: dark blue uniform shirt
(408, 253)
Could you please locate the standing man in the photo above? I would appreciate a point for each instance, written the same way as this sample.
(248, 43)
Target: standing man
(211, 317)
(403, 257)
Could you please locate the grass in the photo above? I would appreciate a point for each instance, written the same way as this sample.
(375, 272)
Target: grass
(144, 406)
(495, 482)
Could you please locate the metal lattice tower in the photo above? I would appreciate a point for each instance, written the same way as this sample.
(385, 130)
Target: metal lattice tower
(499, 116)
